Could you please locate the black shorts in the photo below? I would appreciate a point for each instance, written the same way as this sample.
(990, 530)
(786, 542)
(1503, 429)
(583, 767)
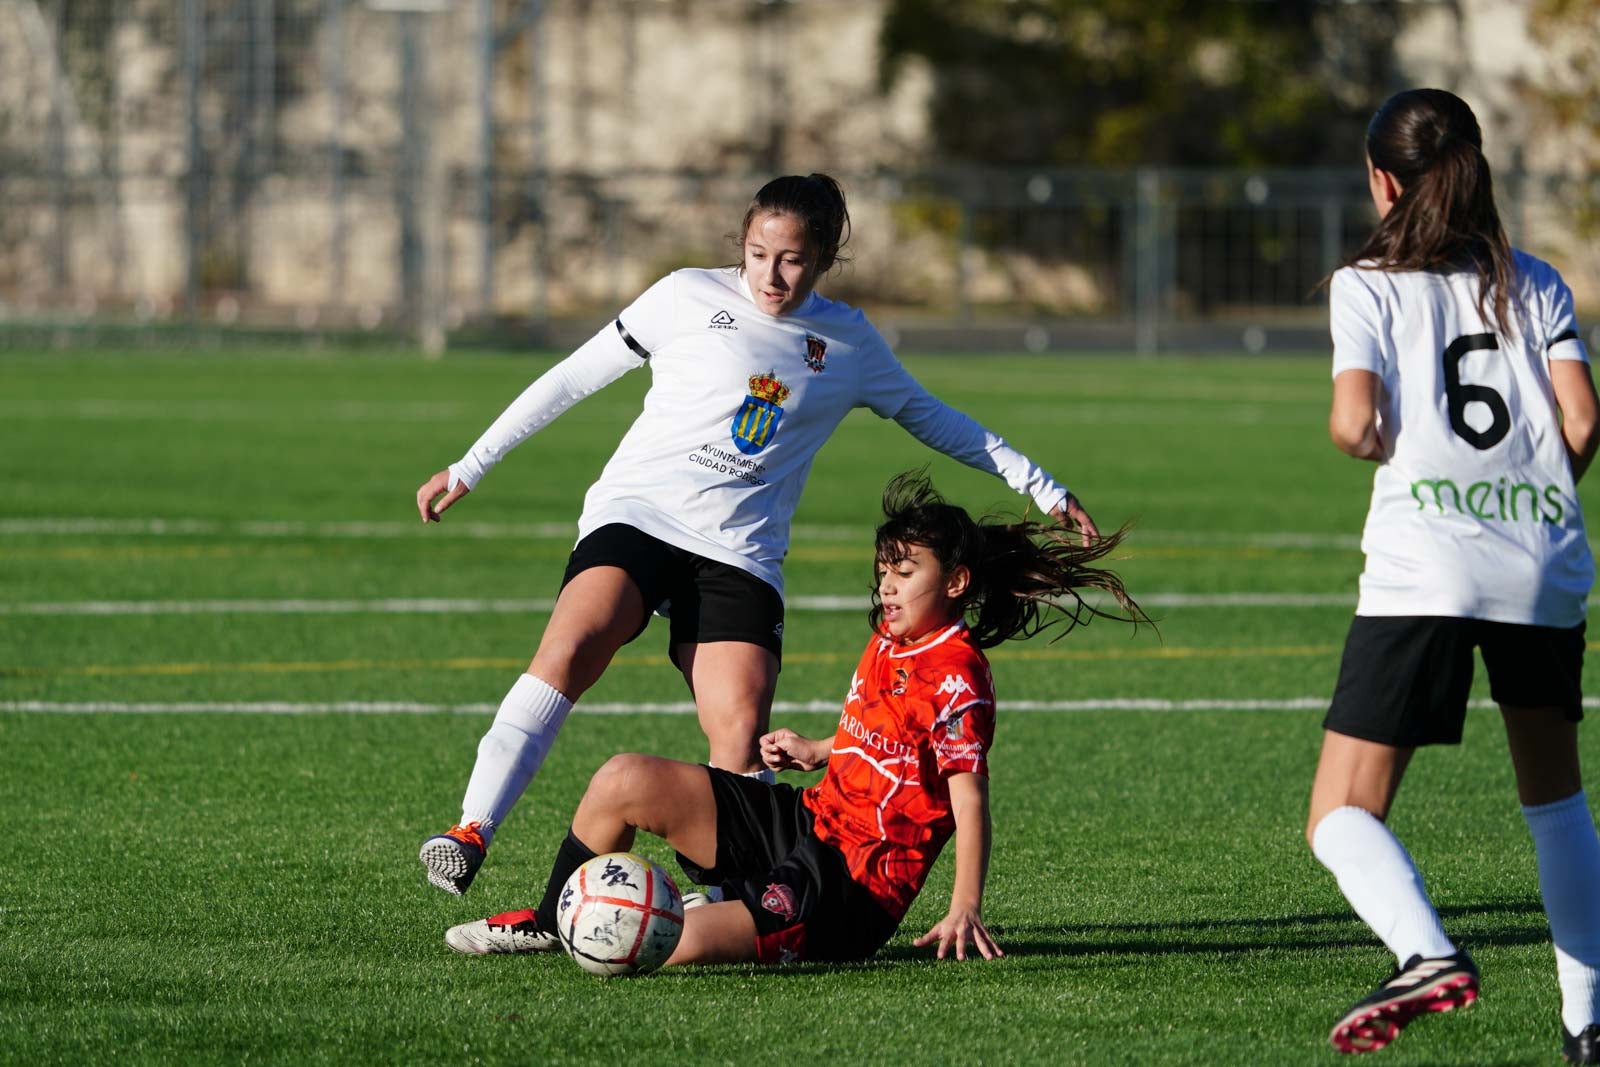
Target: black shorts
(705, 600)
(798, 888)
(1404, 679)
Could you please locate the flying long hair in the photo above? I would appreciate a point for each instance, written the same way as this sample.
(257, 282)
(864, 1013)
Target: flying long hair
(1445, 217)
(1025, 576)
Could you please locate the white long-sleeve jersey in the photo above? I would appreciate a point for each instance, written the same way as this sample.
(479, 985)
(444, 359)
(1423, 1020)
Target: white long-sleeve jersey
(739, 403)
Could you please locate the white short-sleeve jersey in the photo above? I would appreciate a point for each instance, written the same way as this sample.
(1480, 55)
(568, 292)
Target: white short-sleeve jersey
(739, 403)
(1474, 510)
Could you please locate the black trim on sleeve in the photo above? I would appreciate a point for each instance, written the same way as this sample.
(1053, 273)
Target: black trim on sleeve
(639, 349)
(1564, 335)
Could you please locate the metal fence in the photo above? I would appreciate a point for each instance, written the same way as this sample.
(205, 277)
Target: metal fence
(387, 165)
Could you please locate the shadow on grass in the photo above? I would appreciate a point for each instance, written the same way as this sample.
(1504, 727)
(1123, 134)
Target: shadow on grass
(1517, 923)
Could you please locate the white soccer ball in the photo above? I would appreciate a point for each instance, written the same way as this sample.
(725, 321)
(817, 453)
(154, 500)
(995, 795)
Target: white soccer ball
(619, 914)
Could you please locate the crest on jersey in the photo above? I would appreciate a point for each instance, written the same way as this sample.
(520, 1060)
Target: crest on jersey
(756, 421)
(779, 899)
(901, 677)
(816, 353)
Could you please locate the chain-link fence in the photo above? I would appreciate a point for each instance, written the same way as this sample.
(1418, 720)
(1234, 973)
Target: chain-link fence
(445, 168)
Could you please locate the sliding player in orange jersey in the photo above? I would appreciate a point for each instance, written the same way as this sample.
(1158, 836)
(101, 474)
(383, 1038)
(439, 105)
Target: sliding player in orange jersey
(827, 873)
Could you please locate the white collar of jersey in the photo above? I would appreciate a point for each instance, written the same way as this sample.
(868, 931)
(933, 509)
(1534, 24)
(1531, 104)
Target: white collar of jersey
(932, 642)
(744, 287)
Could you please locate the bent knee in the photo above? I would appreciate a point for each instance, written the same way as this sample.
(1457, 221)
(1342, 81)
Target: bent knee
(621, 776)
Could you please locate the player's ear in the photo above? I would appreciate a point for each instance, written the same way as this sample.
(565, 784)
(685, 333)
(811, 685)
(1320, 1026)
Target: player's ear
(956, 580)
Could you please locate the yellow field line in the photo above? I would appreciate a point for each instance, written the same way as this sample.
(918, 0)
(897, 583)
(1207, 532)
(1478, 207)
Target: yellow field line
(1157, 652)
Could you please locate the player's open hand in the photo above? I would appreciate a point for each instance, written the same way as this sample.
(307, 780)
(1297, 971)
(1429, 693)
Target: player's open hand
(785, 750)
(963, 928)
(435, 496)
(1070, 513)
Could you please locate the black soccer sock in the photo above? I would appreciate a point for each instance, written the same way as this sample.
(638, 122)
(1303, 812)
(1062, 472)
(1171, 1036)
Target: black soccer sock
(569, 857)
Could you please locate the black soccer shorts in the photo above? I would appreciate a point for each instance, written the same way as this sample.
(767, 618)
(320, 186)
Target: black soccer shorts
(1404, 679)
(797, 888)
(706, 600)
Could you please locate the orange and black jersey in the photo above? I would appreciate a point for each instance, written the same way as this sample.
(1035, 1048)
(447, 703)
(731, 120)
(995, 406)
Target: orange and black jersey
(914, 715)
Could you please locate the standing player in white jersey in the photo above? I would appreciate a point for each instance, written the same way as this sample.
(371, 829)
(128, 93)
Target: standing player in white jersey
(751, 372)
(1459, 371)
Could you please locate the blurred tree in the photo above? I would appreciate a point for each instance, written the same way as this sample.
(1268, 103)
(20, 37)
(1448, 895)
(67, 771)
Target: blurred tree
(1123, 82)
(1566, 102)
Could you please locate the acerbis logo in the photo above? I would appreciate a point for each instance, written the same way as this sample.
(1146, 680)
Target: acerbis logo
(722, 321)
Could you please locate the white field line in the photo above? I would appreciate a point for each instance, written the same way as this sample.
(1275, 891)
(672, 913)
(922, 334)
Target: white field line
(535, 606)
(270, 529)
(644, 707)
(281, 529)
(558, 531)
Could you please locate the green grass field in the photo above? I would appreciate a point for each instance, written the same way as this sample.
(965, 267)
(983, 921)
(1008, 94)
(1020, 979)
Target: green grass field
(221, 739)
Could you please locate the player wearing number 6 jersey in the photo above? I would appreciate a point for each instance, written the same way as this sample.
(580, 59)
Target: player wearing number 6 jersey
(751, 372)
(1458, 369)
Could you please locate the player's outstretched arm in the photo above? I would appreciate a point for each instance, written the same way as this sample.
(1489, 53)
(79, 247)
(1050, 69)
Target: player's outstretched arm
(785, 750)
(962, 928)
(435, 496)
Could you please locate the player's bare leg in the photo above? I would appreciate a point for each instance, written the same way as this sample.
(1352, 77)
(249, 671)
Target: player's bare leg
(1544, 751)
(733, 683)
(595, 615)
(597, 612)
(1355, 773)
(716, 933)
(667, 798)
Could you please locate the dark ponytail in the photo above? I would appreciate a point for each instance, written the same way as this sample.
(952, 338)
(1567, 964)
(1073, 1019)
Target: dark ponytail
(1429, 140)
(817, 201)
(1025, 576)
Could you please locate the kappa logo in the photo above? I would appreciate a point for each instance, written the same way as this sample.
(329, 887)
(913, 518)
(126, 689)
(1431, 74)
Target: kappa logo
(816, 354)
(955, 685)
(722, 321)
(779, 899)
(855, 690)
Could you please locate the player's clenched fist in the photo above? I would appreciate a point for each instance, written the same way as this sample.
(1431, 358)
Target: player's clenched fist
(785, 750)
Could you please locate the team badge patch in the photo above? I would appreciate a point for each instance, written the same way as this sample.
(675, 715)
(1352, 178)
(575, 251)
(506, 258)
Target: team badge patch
(779, 899)
(756, 421)
(816, 353)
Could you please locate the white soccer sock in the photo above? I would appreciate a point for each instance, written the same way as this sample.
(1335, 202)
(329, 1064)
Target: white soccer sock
(1376, 874)
(511, 753)
(1569, 880)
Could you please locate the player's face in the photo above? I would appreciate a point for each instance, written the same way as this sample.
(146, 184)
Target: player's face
(917, 594)
(779, 263)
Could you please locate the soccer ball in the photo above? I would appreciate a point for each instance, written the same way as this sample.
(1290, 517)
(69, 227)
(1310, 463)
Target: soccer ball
(619, 914)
